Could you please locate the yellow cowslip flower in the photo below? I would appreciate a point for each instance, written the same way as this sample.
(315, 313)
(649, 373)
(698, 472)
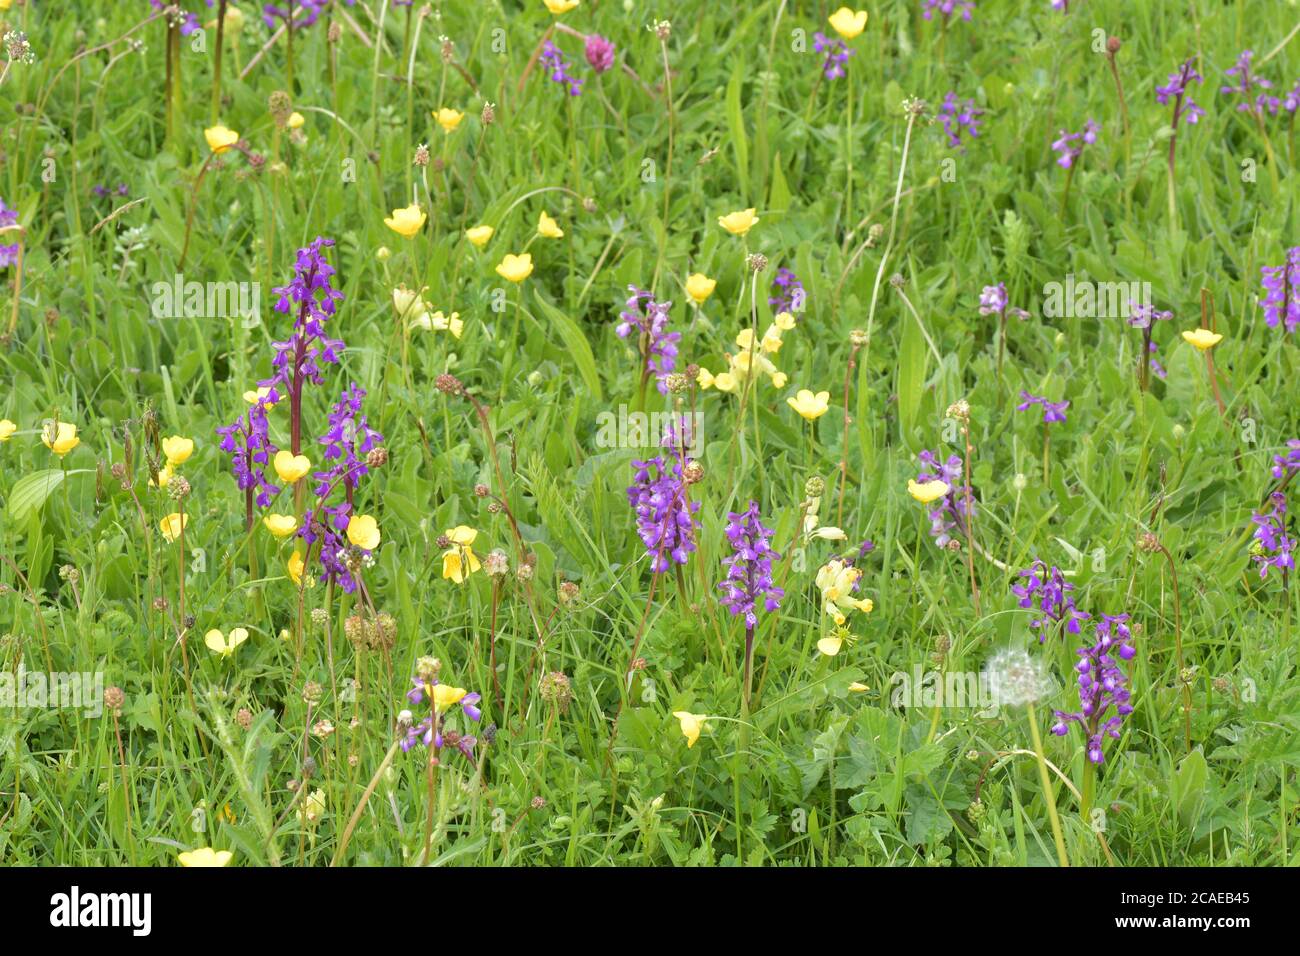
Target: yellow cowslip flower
(810, 406)
(218, 643)
(783, 321)
(7, 428)
(296, 120)
(172, 526)
(836, 580)
(177, 450)
(409, 305)
(459, 561)
(1203, 339)
(929, 491)
(516, 268)
(560, 6)
(778, 379)
(771, 340)
(699, 287)
(60, 437)
(738, 223)
(295, 566)
(205, 855)
(445, 696)
(165, 475)
(548, 228)
(704, 378)
(280, 525)
(291, 467)
(448, 118)
(447, 323)
(691, 725)
(220, 138)
(847, 23)
(725, 382)
(479, 235)
(260, 394)
(406, 222)
(363, 531)
(748, 362)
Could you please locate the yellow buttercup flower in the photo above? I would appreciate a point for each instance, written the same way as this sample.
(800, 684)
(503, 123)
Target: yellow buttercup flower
(444, 696)
(205, 856)
(313, 808)
(220, 138)
(836, 580)
(295, 566)
(560, 6)
(691, 725)
(810, 406)
(261, 394)
(859, 688)
(459, 561)
(363, 531)
(699, 287)
(847, 23)
(548, 228)
(60, 437)
(7, 428)
(177, 450)
(479, 235)
(928, 491)
(738, 223)
(296, 120)
(165, 475)
(291, 467)
(172, 526)
(280, 525)
(516, 268)
(1203, 339)
(448, 118)
(218, 643)
(406, 222)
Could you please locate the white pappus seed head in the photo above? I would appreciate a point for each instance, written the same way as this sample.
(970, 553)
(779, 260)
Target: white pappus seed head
(1015, 678)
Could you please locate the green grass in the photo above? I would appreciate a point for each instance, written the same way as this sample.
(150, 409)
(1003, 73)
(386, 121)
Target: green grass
(814, 773)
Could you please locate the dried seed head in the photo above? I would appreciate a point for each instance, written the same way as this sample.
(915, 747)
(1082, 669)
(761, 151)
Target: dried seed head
(244, 717)
(113, 700)
(496, 563)
(693, 473)
(756, 262)
(377, 457)
(427, 668)
(489, 114)
(422, 155)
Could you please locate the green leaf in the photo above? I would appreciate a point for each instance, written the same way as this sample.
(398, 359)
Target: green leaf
(736, 126)
(30, 492)
(576, 344)
(913, 363)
